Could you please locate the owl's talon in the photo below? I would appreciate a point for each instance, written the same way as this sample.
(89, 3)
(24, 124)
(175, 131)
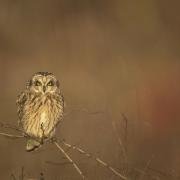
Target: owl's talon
(53, 139)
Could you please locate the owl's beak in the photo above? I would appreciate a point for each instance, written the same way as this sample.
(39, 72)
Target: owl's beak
(44, 89)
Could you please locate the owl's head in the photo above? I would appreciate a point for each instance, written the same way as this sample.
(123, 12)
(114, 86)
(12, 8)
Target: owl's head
(43, 82)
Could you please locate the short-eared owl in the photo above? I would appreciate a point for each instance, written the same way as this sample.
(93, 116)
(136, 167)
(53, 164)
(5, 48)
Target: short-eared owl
(40, 108)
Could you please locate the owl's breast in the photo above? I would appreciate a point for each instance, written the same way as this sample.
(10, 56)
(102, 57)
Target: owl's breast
(43, 118)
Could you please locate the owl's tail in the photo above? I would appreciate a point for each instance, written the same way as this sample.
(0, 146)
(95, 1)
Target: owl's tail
(32, 145)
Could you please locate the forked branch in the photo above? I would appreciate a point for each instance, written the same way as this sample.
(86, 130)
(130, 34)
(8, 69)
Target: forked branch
(81, 151)
(70, 160)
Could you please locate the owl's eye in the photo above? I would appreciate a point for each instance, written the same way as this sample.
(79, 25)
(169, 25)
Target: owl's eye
(37, 83)
(50, 83)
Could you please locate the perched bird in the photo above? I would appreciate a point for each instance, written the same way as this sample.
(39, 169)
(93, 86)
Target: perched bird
(40, 109)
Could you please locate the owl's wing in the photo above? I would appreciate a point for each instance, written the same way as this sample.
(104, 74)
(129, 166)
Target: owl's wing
(62, 102)
(60, 111)
(21, 100)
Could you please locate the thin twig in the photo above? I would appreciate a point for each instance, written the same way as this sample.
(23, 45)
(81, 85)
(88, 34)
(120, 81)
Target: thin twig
(143, 172)
(119, 141)
(164, 174)
(146, 167)
(126, 131)
(10, 127)
(66, 155)
(96, 159)
(22, 173)
(11, 135)
(70, 160)
(24, 134)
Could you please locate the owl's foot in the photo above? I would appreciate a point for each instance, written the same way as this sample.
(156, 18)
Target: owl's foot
(53, 139)
(32, 145)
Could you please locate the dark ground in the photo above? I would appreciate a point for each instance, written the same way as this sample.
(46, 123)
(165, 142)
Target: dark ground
(110, 56)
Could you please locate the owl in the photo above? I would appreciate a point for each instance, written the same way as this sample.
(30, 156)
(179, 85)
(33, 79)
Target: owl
(40, 108)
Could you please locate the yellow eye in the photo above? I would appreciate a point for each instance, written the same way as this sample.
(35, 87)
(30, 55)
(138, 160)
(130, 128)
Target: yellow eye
(37, 83)
(50, 83)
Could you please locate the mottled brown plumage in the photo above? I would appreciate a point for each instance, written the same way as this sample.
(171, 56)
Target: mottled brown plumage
(40, 108)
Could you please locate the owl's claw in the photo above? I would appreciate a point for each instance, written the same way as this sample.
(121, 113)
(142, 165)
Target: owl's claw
(53, 139)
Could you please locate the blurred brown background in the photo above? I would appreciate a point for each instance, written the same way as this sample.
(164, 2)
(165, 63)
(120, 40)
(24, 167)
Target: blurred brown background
(111, 57)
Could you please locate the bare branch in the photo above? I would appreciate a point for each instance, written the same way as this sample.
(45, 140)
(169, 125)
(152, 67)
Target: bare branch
(66, 155)
(81, 151)
(119, 141)
(22, 174)
(24, 134)
(70, 160)
(146, 167)
(126, 130)
(3, 125)
(11, 135)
